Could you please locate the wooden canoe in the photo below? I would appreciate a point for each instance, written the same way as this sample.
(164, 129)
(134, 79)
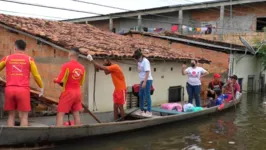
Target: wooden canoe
(38, 132)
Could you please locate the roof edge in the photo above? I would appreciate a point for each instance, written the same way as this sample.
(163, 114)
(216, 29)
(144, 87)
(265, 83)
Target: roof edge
(190, 40)
(96, 56)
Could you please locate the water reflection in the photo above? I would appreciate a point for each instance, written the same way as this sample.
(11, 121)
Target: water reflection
(243, 129)
(192, 147)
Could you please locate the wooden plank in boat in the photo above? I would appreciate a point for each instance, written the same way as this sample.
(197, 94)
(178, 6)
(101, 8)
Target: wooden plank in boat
(35, 124)
(143, 117)
(35, 95)
(173, 112)
(127, 111)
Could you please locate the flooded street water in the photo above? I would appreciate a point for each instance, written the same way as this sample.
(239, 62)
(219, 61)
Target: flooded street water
(243, 129)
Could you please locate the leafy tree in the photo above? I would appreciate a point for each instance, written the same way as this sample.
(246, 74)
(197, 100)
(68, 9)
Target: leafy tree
(262, 56)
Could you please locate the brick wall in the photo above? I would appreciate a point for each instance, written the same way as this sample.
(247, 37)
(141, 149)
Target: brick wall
(48, 60)
(244, 17)
(234, 37)
(213, 14)
(103, 24)
(205, 14)
(219, 60)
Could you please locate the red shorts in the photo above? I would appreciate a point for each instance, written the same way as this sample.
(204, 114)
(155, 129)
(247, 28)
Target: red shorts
(70, 101)
(17, 98)
(119, 97)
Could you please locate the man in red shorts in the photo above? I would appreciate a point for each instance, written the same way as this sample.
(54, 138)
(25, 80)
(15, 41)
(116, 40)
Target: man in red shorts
(119, 95)
(17, 91)
(71, 77)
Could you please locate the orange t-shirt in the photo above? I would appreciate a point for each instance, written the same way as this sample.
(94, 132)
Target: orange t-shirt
(117, 77)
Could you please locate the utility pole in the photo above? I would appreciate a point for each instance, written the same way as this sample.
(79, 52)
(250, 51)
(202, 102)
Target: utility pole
(231, 54)
(231, 13)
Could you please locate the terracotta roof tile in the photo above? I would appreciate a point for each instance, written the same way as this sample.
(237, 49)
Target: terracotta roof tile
(226, 44)
(89, 38)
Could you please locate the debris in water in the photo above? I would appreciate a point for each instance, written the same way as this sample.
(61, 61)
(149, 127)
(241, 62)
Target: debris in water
(231, 142)
(210, 142)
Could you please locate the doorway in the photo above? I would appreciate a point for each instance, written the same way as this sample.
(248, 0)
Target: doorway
(250, 87)
(175, 94)
(262, 83)
(240, 82)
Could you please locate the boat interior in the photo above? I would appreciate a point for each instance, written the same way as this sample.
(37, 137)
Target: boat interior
(46, 121)
(86, 118)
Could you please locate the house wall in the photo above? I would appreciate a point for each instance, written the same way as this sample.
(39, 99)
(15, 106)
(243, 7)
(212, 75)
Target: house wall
(48, 60)
(251, 38)
(163, 76)
(219, 60)
(103, 24)
(163, 79)
(247, 66)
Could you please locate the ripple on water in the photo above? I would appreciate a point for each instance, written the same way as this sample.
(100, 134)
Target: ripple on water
(245, 126)
(192, 147)
(192, 137)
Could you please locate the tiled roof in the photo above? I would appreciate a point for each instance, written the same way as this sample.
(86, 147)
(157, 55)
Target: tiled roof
(202, 41)
(89, 38)
(225, 44)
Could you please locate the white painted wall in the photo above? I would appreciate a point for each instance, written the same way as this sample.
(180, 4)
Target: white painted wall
(248, 65)
(163, 79)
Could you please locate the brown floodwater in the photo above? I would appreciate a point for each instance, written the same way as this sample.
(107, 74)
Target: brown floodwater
(241, 129)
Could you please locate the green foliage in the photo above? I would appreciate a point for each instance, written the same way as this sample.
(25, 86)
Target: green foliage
(262, 52)
(262, 56)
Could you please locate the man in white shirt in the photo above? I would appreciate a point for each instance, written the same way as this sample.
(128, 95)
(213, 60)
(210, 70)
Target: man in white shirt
(146, 79)
(193, 83)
